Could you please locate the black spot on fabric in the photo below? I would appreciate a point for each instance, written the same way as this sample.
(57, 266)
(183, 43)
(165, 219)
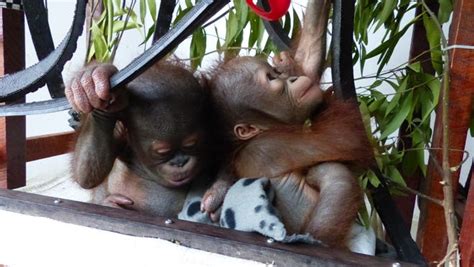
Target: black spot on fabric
(258, 208)
(262, 224)
(248, 182)
(262, 196)
(271, 226)
(271, 210)
(194, 208)
(229, 217)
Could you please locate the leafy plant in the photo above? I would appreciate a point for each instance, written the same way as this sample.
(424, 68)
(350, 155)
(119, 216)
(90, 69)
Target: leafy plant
(106, 31)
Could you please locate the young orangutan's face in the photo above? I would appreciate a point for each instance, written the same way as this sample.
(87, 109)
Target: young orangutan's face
(289, 99)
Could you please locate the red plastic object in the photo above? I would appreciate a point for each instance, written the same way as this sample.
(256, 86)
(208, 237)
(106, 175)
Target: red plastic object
(278, 9)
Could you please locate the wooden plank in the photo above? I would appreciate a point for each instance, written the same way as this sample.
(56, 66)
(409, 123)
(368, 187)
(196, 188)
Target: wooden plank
(466, 239)
(199, 236)
(45, 146)
(432, 236)
(12, 129)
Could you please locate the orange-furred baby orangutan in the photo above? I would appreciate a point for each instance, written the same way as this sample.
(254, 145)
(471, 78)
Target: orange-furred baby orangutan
(287, 129)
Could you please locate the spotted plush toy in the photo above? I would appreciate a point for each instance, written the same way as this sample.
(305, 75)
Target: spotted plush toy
(248, 207)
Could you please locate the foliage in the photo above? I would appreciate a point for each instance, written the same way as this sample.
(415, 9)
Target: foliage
(399, 121)
(116, 18)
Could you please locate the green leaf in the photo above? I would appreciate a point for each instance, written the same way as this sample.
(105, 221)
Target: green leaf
(198, 47)
(386, 48)
(188, 3)
(434, 39)
(181, 14)
(152, 9)
(91, 54)
(99, 42)
(119, 25)
(232, 26)
(435, 87)
(142, 11)
(427, 107)
(416, 66)
(117, 4)
(399, 117)
(396, 98)
(387, 11)
(373, 179)
(287, 23)
(218, 43)
(445, 10)
(395, 175)
(242, 10)
(254, 29)
(376, 104)
(149, 34)
(364, 217)
(364, 110)
(110, 18)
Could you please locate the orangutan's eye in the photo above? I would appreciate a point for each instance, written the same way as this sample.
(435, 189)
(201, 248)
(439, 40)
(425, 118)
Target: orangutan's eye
(161, 148)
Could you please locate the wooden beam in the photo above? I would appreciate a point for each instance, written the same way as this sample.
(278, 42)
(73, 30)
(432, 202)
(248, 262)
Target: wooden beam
(194, 235)
(466, 240)
(40, 147)
(12, 129)
(432, 236)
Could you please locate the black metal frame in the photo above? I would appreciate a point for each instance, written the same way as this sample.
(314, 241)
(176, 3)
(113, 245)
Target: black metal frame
(21, 83)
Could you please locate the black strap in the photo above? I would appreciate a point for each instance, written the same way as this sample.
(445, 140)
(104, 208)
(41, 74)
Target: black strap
(19, 84)
(342, 34)
(343, 82)
(37, 18)
(201, 12)
(275, 31)
(165, 15)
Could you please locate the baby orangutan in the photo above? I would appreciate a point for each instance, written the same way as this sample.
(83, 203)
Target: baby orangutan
(285, 128)
(140, 147)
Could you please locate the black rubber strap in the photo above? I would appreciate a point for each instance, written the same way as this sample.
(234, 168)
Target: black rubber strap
(163, 22)
(14, 86)
(343, 82)
(342, 34)
(275, 31)
(201, 12)
(37, 18)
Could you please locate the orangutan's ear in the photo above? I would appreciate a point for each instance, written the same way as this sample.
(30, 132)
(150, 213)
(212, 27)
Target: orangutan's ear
(244, 131)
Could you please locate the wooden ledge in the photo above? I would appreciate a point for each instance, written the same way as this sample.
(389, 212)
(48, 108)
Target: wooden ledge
(198, 236)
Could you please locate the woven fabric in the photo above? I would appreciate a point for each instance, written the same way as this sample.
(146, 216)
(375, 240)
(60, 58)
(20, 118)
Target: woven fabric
(12, 4)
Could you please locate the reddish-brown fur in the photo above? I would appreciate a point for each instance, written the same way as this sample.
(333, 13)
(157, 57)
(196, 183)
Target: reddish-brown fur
(266, 113)
(335, 134)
